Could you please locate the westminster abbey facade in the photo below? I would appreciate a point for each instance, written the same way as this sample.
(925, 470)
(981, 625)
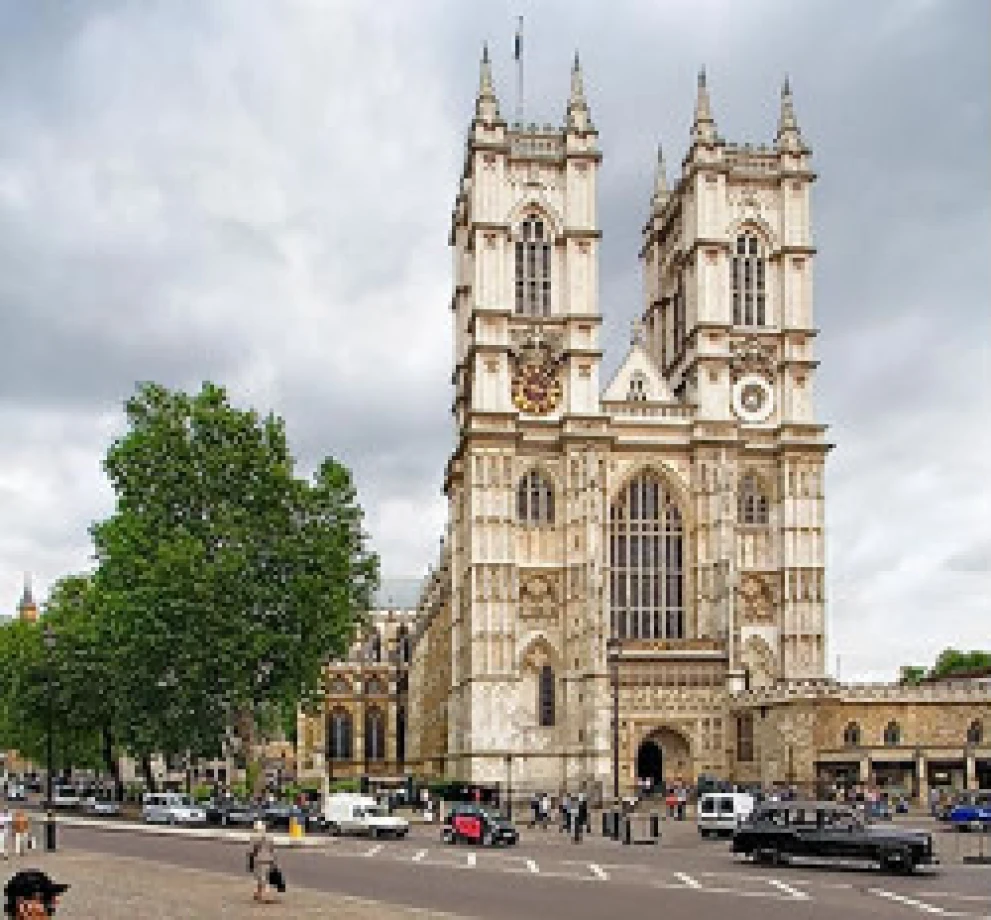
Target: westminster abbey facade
(655, 539)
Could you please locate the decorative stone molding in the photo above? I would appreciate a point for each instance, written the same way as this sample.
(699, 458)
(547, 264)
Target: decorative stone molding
(751, 357)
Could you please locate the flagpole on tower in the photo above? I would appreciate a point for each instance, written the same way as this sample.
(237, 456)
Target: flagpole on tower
(518, 54)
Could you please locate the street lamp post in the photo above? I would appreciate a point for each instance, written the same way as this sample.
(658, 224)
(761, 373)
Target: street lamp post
(49, 639)
(509, 787)
(612, 652)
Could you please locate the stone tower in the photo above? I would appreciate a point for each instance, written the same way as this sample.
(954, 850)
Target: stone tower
(727, 257)
(526, 634)
(27, 609)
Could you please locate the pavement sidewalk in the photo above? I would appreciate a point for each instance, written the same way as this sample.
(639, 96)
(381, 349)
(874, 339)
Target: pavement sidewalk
(118, 888)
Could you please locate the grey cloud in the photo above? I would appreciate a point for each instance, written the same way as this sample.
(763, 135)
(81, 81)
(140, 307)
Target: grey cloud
(260, 194)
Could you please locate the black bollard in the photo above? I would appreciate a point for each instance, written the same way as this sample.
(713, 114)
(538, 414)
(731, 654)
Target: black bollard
(628, 833)
(615, 825)
(605, 824)
(50, 832)
(655, 825)
(578, 830)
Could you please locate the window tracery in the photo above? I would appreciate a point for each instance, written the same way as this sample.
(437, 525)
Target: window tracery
(851, 735)
(535, 499)
(747, 282)
(545, 702)
(752, 504)
(892, 734)
(533, 269)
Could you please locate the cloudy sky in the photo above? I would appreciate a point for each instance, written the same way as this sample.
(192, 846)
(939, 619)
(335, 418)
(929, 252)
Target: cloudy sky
(258, 193)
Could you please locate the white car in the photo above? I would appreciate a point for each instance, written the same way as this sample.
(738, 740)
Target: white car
(65, 797)
(351, 813)
(97, 806)
(723, 812)
(171, 808)
(15, 792)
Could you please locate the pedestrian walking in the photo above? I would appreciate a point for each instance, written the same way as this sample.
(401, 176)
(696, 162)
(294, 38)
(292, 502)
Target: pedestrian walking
(565, 813)
(545, 810)
(5, 826)
(21, 827)
(31, 895)
(261, 862)
(535, 808)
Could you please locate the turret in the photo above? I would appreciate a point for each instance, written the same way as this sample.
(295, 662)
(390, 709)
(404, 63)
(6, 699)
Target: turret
(27, 609)
(661, 190)
(788, 136)
(486, 104)
(578, 118)
(704, 126)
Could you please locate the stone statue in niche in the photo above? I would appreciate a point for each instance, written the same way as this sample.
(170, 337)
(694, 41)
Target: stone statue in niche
(538, 596)
(756, 601)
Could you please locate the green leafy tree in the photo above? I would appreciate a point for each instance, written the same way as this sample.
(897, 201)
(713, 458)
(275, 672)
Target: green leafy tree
(911, 674)
(229, 581)
(951, 661)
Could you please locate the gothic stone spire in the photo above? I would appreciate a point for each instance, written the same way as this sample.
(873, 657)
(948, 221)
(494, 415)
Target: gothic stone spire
(486, 104)
(578, 114)
(704, 126)
(788, 137)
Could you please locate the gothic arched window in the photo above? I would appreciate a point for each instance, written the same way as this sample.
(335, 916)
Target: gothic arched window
(403, 640)
(647, 564)
(533, 269)
(638, 388)
(340, 687)
(851, 735)
(892, 734)
(374, 734)
(748, 282)
(535, 499)
(752, 504)
(375, 649)
(975, 733)
(374, 687)
(339, 735)
(545, 696)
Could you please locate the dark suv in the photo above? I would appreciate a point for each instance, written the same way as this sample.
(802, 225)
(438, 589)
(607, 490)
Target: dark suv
(778, 832)
(471, 824)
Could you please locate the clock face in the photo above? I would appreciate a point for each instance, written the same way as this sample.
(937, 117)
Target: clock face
(753, 399)
(536, 389)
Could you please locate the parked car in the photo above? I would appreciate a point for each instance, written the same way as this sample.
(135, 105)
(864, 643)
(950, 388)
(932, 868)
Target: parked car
(972, 812)
(472, 824)
(97, 805)
(353, 813)
(171, 808)
(278, 815)
(65, 797)
(779, 832)
(231, 812)
(721, 813)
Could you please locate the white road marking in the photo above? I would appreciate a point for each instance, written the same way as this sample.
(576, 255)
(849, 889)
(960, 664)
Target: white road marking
(688, 880)
(599, 872)
(374, 850)
(418, 855)
(472, 858)
(787, 889)
(956, 897)
(910, 902)
(532, 866)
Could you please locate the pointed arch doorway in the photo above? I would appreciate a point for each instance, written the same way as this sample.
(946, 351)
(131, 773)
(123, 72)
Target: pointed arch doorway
(650, 764)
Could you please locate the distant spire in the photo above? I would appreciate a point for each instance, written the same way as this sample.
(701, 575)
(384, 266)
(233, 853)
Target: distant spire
(660, 177)
(486, 105)
(636, 331)
(704, 127)
(788, 136)
(578, 114)
(27, 608)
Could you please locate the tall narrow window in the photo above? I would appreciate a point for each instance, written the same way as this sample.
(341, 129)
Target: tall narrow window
(339, 735)
(892, 734)
(401, 735)
(745, 738)
(747, 273)
(374, 734)
(851, 735)
(647, 564)
(975, 733)
(679, 317)
(545, 703)
(535, 499)
(533, 269)
(638, 388)
(752, 505)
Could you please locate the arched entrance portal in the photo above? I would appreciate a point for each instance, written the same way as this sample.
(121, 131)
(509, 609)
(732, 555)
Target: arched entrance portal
(650, 765)
(665, 758)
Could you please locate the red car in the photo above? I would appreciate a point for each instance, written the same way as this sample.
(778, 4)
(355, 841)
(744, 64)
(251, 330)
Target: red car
(470, 824)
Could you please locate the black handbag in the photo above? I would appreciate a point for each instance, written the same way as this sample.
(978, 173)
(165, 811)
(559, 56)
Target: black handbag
(276, 879)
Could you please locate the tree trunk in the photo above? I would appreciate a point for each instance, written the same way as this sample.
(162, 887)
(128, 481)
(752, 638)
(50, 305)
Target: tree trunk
(148, 775)
(111, 763)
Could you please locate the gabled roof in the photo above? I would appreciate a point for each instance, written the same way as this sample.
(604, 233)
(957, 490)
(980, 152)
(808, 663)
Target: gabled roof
(637, 361)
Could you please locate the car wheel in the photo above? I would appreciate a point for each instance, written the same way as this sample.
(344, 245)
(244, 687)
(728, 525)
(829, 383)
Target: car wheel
(704, 833)
(899, 861)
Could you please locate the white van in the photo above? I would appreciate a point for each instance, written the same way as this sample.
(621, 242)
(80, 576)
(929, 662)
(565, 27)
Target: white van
(351, 813)
(723, 812)
(171, 808)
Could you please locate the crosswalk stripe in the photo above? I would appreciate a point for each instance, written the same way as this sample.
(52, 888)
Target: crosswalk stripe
(599, 872)
(688, 880)
(472, 858)
(787, 889)
(375, 850)
(532, 866)
(910, 902)
(419, 855)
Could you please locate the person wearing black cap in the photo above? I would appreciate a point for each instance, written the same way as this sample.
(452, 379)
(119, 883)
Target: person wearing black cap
(31, 895)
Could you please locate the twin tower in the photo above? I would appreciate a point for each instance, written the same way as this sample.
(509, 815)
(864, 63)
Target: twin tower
(668, 522)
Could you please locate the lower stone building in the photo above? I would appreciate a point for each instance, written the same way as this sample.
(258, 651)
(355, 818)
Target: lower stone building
(360, 727)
